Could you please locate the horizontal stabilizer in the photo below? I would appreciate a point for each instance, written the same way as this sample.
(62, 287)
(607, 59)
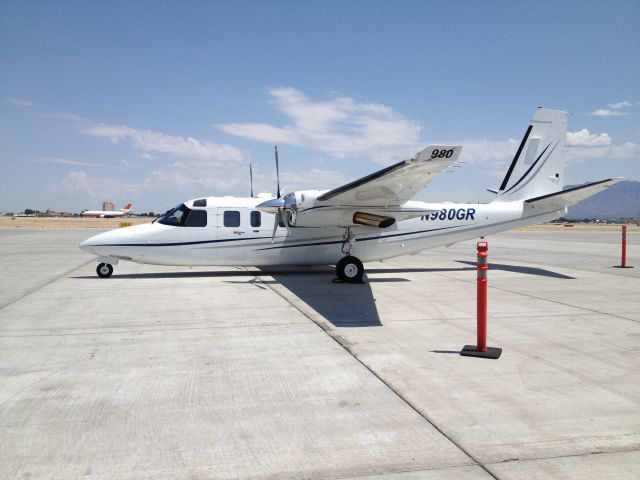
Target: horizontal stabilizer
(571, 196)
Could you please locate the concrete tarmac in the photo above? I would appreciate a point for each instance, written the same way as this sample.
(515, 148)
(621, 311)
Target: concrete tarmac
(226, 373)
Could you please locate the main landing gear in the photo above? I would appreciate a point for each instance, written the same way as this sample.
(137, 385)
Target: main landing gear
(104, 270)
(349, 269)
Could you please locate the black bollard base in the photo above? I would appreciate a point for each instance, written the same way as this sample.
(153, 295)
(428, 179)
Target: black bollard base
(472, 351)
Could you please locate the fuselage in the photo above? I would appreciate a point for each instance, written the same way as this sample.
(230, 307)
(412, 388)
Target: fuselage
(231, 231)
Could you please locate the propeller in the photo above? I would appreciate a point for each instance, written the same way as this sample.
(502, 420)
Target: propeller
(277, 205)
(280, 216)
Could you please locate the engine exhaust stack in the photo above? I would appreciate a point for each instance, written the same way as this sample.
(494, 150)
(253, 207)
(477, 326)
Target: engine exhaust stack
(373, 220)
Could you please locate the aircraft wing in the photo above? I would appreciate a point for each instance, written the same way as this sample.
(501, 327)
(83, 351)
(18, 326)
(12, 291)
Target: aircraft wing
(395, 185)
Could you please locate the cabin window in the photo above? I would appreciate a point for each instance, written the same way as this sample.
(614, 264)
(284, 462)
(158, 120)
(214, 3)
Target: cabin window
(182, 216)
(231, 218)
(201, 202)
(256, 218)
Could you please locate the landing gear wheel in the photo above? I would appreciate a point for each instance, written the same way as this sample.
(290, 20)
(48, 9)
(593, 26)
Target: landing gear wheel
(104, 270)
(350, 269)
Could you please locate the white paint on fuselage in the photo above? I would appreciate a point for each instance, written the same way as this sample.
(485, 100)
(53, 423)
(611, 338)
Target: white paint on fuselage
(246, 245)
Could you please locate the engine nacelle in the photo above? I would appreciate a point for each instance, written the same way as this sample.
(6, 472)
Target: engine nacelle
(301, 209)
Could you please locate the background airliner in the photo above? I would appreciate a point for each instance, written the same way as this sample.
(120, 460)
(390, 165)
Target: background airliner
(106, 213)
(372, 218)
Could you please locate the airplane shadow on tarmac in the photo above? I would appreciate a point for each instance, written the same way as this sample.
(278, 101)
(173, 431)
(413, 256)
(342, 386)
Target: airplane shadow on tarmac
(342, 304)
(526, 270)
(354, 305)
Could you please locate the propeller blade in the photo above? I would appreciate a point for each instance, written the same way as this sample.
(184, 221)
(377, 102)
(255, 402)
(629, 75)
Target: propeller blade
(284, 218)
(277, 174)
(251, 179)
(275, 226)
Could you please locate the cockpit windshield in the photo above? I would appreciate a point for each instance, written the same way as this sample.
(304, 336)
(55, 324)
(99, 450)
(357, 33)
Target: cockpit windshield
(182, 216)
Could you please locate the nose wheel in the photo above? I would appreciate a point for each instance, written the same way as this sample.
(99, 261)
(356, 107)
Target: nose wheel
(104, 270)
(350, 269)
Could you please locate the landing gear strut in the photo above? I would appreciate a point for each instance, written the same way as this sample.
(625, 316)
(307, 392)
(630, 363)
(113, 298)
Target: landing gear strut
(349, 269)
(104, 270)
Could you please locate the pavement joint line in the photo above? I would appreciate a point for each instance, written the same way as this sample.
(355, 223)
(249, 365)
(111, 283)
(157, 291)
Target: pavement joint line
(111, 332)
(489, 464)
(44, 284)
(384, 382)
(553, 457)
(400, 472)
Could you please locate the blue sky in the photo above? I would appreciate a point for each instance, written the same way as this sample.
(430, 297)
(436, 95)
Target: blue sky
(159, 102)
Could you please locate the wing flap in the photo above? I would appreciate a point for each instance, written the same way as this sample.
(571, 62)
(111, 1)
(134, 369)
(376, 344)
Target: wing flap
(397, 183)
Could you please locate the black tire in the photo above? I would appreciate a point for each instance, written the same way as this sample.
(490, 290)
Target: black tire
(350, 270)
(104, 270)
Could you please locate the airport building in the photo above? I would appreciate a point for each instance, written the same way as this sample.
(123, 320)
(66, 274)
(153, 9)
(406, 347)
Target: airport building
(108, 206)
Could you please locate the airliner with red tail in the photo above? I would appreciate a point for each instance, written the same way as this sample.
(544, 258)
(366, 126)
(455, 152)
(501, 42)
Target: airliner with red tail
(108, 214)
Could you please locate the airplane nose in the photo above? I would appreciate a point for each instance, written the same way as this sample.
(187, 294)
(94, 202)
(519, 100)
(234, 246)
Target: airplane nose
(98, 243)
(84, 245)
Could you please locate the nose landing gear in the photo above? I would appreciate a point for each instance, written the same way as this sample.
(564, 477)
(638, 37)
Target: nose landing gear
(104, 270)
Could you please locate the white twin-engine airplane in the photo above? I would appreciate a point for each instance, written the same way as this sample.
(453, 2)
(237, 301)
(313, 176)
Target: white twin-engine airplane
(372, 218)
(106, 213)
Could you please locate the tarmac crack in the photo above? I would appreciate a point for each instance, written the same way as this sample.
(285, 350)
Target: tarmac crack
(43, 284)
(554, 457)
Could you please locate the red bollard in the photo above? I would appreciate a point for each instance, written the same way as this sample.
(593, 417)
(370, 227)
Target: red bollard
(623, 260)
(481, 349)
(481, 315)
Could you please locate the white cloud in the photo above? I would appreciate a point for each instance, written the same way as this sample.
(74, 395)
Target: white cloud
(340, 127)
(584, 138)
(623, 104)
(72, 117)
(20, 103)
(65, 161)
(485, 151)
(95, 187)
(615, 109)
(584, 145)
(626, 150)
(150, 141)
(603, 112)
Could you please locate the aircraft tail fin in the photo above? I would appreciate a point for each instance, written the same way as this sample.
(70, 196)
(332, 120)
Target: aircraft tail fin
(538, 166)
(126, 208)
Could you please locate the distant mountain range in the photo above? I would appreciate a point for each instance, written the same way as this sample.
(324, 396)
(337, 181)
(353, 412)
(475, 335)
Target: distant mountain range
(620, 201)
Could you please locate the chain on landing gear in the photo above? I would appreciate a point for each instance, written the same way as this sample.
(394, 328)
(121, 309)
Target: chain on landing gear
(348, 239)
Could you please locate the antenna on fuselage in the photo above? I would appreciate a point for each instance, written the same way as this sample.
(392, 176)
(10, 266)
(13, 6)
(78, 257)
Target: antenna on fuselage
(251, 179)
(277, 174)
